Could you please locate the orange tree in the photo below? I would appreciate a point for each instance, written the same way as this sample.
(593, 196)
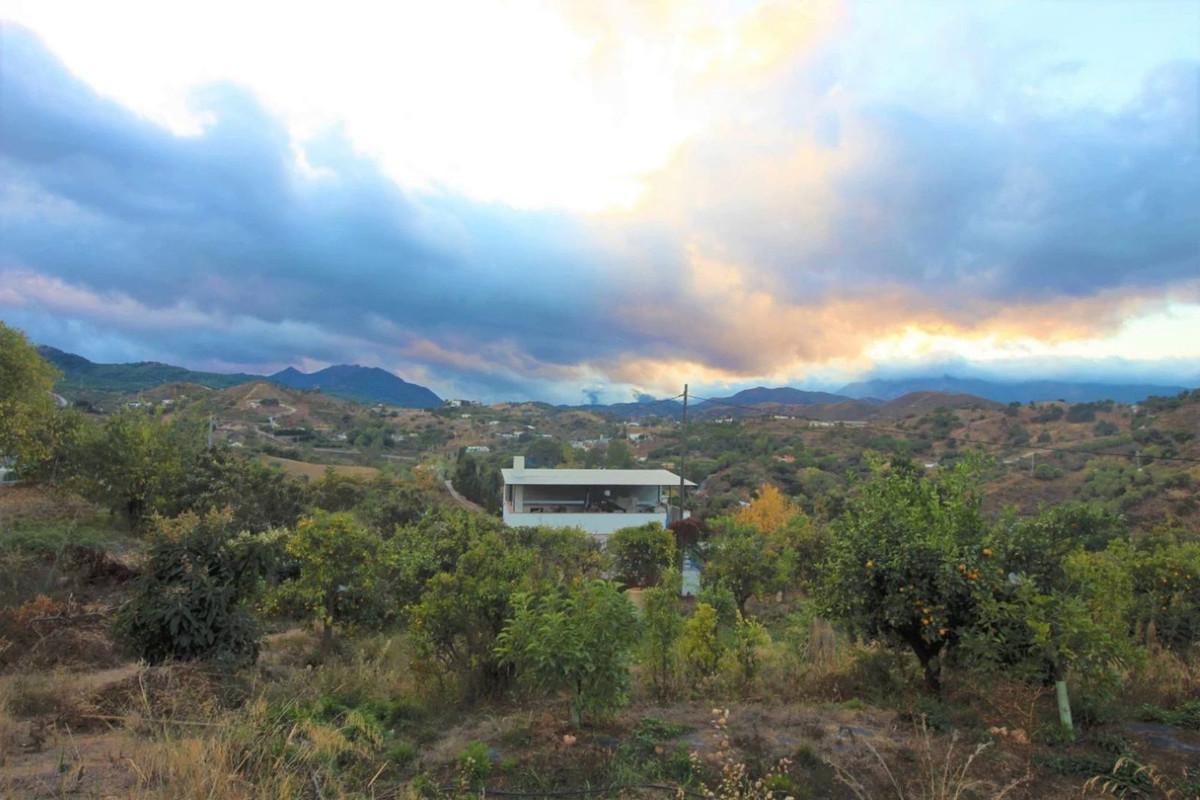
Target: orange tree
(905, 560)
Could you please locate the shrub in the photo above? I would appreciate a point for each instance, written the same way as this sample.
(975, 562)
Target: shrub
(342, 573)
(578, 640)
(192, 599)
(641, 554)
(699, 646)
(749, 639)
(662, 625)
(1046, 472)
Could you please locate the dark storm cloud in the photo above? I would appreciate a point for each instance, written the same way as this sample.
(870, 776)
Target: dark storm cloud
(102, 199)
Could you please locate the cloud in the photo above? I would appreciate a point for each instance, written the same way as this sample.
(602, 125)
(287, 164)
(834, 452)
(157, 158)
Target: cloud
(813, 222)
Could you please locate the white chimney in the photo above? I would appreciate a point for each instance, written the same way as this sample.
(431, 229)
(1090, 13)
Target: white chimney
(518, 463)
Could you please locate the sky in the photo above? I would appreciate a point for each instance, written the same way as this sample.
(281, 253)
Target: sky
(513, 200)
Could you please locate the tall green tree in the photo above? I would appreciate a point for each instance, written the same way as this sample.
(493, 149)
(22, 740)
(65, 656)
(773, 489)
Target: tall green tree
(26, 402)
(135, 463)
(905, 558)
(740, 557)
(641, 554)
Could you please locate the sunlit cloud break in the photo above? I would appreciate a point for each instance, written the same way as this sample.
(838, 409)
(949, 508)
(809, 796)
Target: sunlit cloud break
(508, 200)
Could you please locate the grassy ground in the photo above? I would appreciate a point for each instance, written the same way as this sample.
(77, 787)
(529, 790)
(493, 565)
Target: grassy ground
(311, 471)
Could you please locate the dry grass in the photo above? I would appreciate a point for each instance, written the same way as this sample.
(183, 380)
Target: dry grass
(306, 469)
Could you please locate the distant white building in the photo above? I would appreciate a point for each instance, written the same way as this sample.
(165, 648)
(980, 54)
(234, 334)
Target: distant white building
(478, 448)
(600, 501)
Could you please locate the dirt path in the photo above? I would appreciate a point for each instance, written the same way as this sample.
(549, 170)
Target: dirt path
(462, 501)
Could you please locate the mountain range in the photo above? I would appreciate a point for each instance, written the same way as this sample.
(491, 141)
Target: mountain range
(352, 382)
(1002, 392)
(375, 385)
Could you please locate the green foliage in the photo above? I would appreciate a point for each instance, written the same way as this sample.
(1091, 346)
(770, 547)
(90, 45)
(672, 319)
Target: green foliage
(578, 640)
(1166, 581)
(719, 596)
(661, 625)
(739, 557)
(259, 497)
(336, 491)
(475, 762)
(1046, 472)
(192, 599)
(641, 554)
(26, 404)
(750, 637)
(389, 504)
(699, 646)
(135, 463)
(1063, 608)
(463, 608)
(342, 575)
(478, 479)
(904, 560)
(1184, 715)
(618, 455)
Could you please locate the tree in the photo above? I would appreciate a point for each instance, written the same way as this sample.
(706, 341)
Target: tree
(771, 511)
(699, 645)
(463, 609)
(640, 554)
(905, 557)
(1068, 622)
(578, 640)
(134, 463)
(259, 497)
(662, 625)
(342, 571)
(618, 455)
(544, 453)
(740, 557)
(26, 404)
(192, 598)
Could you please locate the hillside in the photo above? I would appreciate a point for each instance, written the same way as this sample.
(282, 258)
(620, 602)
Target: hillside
(365, 384)
(1021, 392)
(780, 395)
(79, 374)
(84, 379)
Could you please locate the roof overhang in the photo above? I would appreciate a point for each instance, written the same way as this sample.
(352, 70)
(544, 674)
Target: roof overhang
(591, 477)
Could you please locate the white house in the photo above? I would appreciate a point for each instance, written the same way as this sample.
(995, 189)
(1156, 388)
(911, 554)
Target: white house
(598, 500)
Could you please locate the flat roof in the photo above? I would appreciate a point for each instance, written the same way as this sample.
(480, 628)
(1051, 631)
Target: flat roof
(591, 477)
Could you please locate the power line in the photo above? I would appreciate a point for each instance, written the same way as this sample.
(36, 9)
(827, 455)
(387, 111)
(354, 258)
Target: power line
(867, 424)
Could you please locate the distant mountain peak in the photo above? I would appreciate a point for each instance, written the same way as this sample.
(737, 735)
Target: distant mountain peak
(356, 382)
(351, 381)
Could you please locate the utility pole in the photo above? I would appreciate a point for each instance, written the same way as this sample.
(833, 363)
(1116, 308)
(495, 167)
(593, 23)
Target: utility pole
(683, 451)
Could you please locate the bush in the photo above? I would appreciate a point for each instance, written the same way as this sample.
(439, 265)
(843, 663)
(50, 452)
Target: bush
(192, 599)
(342, 575)
(662, 625)
(641, 554)
(1046, 472)
(578, 640)
(699, 646)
